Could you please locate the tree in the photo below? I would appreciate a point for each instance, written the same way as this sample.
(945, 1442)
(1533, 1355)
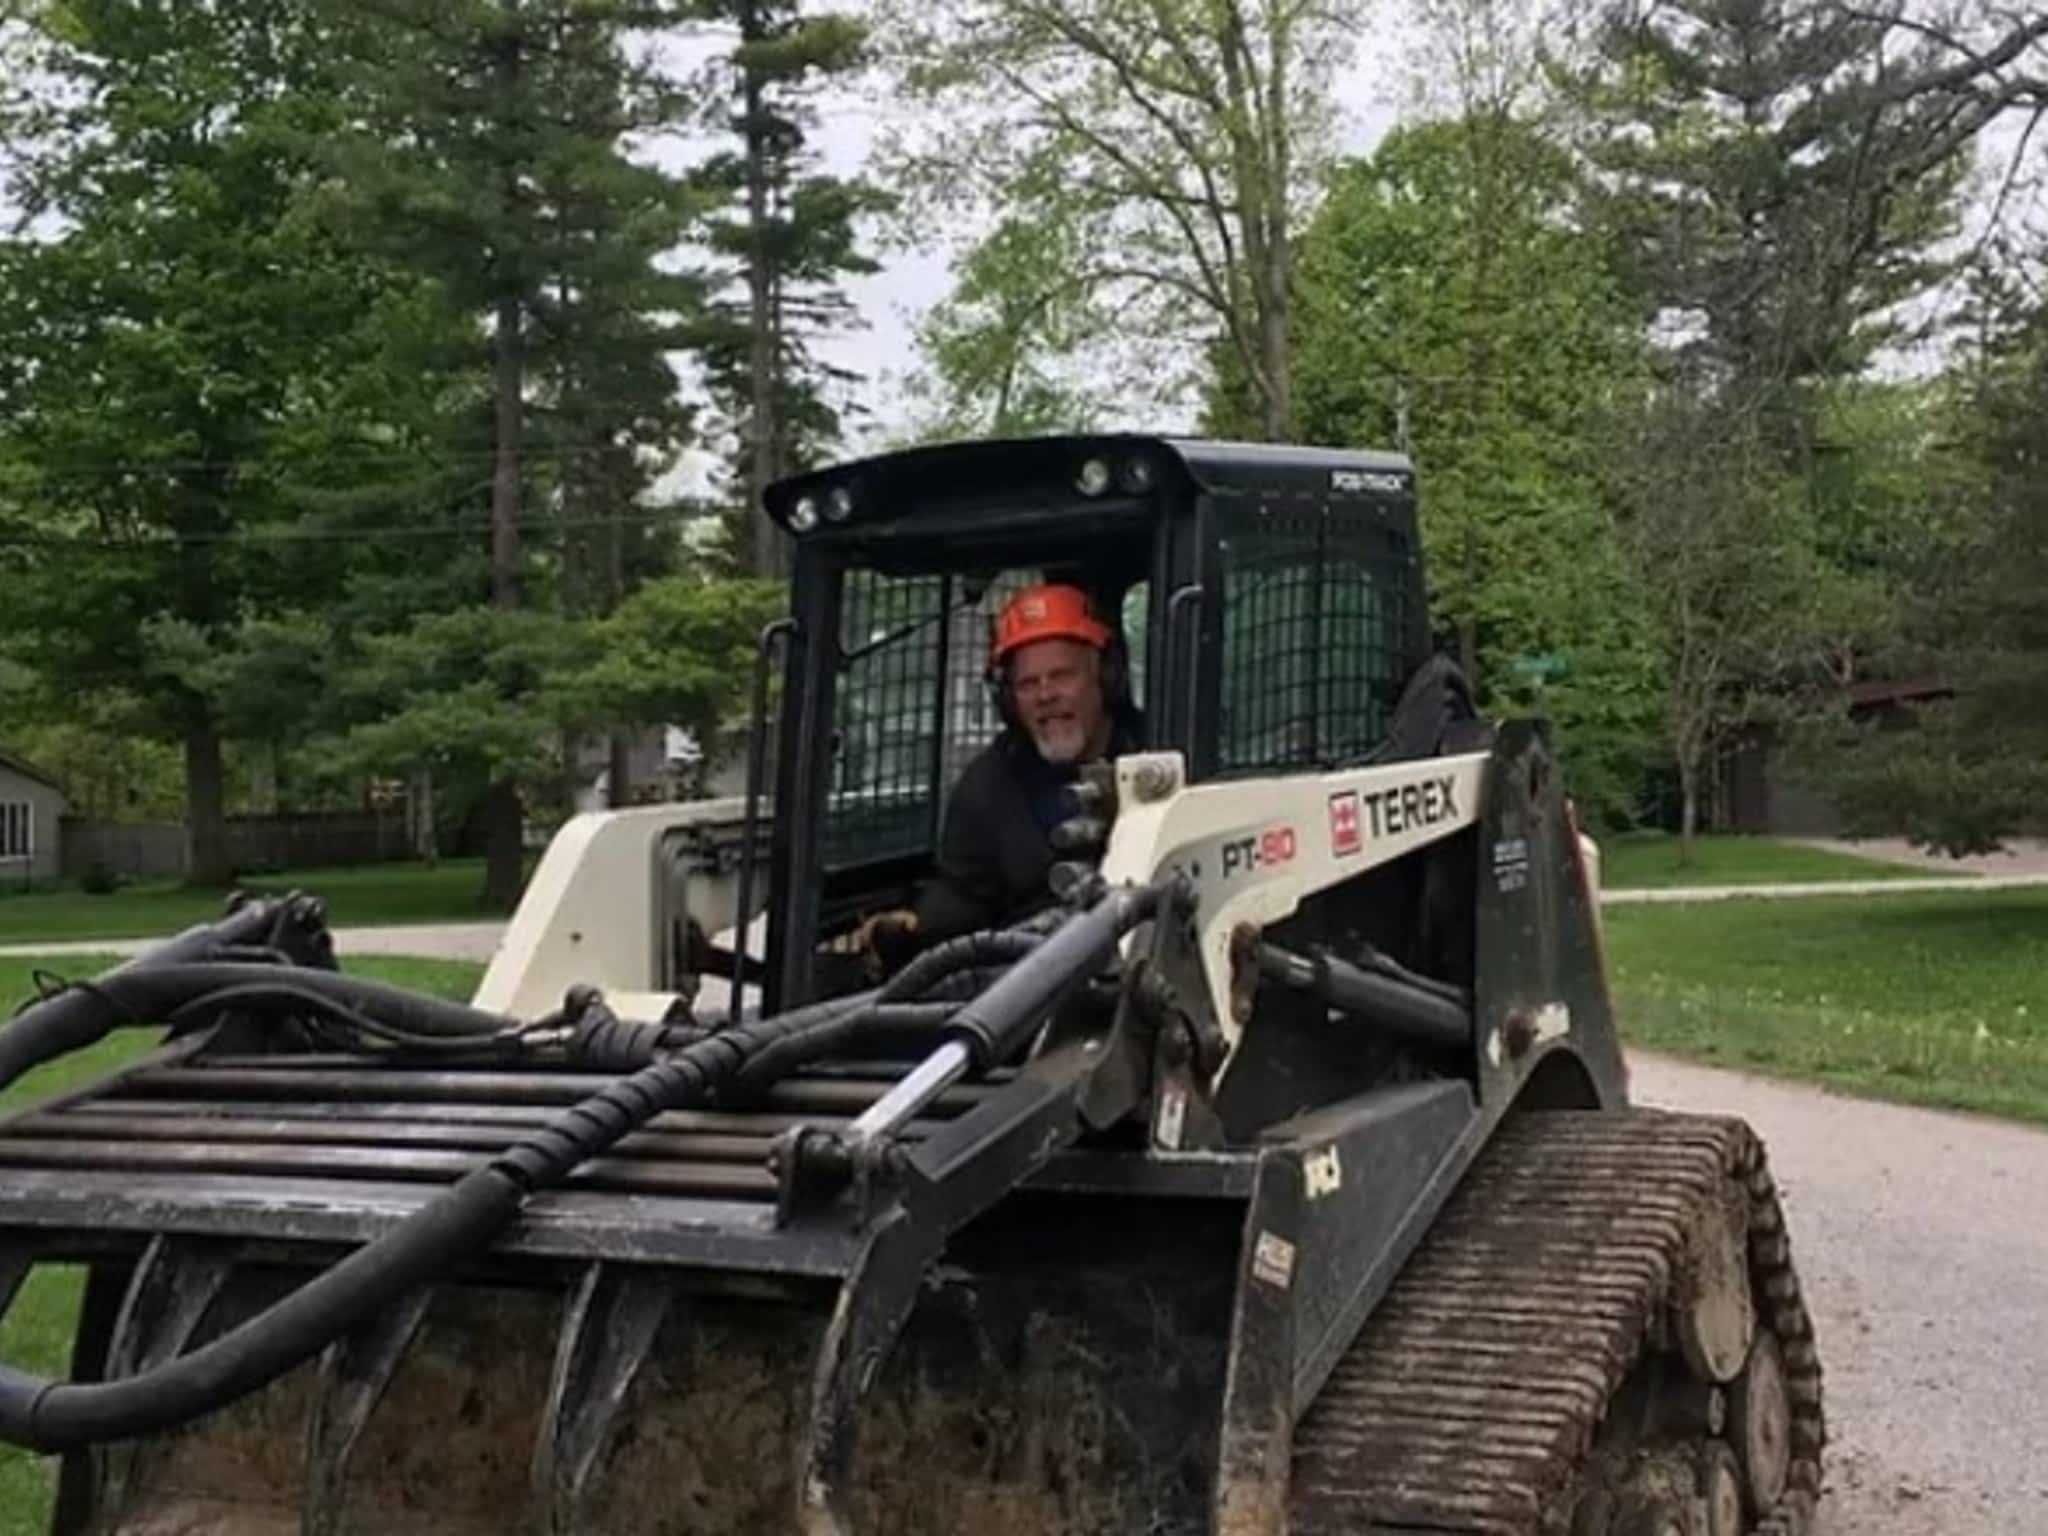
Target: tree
(1449, 300)
(1712, 525)
(680, 651)
(994, 348)
(1964, 774)
(491, 158)
(788, 236)
(1782, 174)
(1779, 176)
(1173, 143)
(164, 328)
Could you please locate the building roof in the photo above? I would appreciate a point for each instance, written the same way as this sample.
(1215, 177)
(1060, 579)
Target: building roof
(27, 769)
(1884, 691)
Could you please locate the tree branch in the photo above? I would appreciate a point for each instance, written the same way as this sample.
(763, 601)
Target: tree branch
(1133, 84)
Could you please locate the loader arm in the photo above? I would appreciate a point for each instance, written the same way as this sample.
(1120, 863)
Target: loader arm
(611, 903)
(1255, 849)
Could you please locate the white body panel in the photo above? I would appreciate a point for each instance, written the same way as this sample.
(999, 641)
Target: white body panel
(592, 912)
(1256, 847)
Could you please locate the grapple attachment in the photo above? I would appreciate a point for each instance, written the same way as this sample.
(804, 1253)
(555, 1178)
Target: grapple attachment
(729, 1318)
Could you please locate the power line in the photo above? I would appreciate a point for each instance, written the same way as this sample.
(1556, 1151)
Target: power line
(61, 543)
(256, 461)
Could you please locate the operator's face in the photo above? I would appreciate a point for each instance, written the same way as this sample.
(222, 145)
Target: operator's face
(1057, 685)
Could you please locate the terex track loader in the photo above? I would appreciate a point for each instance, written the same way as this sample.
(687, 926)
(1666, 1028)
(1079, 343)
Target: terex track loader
(1274, 1174)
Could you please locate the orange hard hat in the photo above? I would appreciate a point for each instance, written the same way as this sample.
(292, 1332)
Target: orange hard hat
(1048, 613)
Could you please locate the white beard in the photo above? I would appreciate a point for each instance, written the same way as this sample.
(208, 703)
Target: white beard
(1059, 741)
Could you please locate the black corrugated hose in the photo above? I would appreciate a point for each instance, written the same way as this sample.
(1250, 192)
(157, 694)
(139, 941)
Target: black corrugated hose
(53, 1416)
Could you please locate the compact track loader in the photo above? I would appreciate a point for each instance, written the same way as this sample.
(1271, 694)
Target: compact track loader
(1274, 1173)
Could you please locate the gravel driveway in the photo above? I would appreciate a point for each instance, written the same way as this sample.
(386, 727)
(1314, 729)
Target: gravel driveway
(1922, 1239)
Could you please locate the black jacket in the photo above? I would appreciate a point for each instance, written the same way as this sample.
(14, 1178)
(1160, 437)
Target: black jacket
(995, 843)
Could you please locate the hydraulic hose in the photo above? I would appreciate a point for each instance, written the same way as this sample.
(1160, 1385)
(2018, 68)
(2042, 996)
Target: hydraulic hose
(148, 991)
(51, 1416)
(75, 1018)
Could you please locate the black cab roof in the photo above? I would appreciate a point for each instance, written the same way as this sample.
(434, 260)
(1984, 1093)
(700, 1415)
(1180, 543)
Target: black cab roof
(1108, 466)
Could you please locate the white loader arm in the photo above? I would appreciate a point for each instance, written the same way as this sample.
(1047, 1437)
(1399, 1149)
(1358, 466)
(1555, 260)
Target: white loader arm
(1254, 848)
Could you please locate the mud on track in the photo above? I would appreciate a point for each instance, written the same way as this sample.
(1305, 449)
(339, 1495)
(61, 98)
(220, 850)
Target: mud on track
(1923, 1245)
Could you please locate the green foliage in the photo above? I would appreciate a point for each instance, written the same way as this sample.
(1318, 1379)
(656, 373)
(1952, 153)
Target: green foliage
(784, 237)
(1775, 192)
(680, 652)
(994, 347)
(467, 693)
(1447, 293)
(1160, 153)
(1963, 774)
(162, 335)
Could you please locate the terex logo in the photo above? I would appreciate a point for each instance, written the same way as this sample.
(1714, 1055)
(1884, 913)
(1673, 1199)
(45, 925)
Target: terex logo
(1389, 811)
(1275, 845)
(1345, 834)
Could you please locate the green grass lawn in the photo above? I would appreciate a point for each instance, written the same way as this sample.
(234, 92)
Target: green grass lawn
(35, 1334)
(1647, 860)
(377, 894)
(1929, 998)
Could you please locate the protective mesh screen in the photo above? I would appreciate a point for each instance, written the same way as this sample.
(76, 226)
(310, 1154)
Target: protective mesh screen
(911, 708)
(885, 717)
(1314, 645)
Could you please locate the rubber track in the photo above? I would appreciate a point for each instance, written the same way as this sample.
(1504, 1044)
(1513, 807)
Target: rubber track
(1470, 1399)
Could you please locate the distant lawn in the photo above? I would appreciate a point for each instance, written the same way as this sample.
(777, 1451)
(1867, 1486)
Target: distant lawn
(370, 896)
(35, 1334)
(1929, 998)
(1649, 860)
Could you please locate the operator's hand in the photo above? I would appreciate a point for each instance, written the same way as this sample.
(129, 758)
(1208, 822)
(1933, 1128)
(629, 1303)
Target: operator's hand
(886, 940)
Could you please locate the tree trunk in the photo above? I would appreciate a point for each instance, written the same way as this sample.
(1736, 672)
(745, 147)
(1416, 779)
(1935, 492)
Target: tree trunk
(420, 802)
(763, 363)
(1275, 352)
(621, 769)
(504, 815)
(1688, 805)
(205, 806)
(504, 847)
(509, 450)
(1468, 651)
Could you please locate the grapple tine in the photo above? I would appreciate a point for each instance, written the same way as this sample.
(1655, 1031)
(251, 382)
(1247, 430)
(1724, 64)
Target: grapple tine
(174, 1283)
(16, 1261)
(354, 1373)
(608, 1328)
(874, 1301)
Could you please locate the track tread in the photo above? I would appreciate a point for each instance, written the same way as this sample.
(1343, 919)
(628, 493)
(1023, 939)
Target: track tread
(1472, 1396)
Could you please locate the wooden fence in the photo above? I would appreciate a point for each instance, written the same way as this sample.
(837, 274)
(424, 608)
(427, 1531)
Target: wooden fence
(256, 844)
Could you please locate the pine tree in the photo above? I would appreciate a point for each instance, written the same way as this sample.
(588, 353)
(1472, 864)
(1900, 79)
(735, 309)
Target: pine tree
(492, 161)
(1778, 198)
(787, 236)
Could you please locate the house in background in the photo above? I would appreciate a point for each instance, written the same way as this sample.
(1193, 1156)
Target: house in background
(31, 817)
(1756, 793)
